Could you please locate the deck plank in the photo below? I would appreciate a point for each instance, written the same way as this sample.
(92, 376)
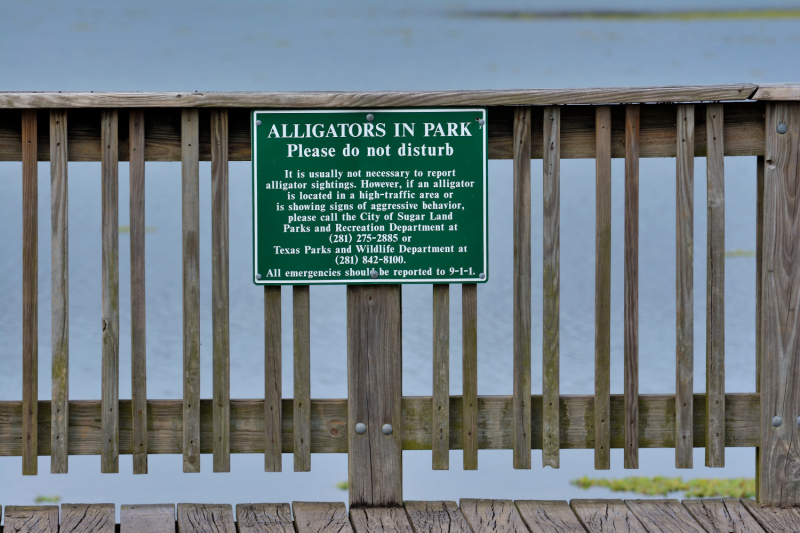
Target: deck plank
(663, 516)
(549, 516)
(157, 518)
(774, 519)
(85, 518)
(380, 520)
(495, 516)
(724, 516)
(205, 518)
(436, 517)
(31, 519)
(264, 518)
(601, 516)
(314, 517)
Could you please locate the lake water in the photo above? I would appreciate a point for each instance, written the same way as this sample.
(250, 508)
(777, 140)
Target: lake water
(353, 45)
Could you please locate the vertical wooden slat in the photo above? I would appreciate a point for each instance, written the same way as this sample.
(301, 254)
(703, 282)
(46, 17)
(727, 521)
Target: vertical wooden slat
(272, 378)
(440, 441)
(759, 263)
(109, 133)
(715, 290)
(551, 290)
(522, 288)
(138, 310)
(219, 277)
(190, 165)
(59, 269)
(631, 349)
(30, 294)
(602, 291)
(684, 288)
(469, 373)
(302, 378)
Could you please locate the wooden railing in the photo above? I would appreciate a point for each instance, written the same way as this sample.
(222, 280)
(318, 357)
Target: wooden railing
(680, 122)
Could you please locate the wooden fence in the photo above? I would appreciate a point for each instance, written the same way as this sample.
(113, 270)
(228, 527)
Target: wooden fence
(679, 122)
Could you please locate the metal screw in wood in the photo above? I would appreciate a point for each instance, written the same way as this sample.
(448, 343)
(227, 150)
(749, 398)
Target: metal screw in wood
(782, 128)
(777, 421)
(387, 429)
(361, 428)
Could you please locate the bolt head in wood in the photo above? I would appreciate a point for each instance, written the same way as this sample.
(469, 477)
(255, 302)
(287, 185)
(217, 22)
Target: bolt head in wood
(361, 428)
(258, 122)
(777, 421)
(782, 128)
(370, 117)
(387, 429)
(374, 274)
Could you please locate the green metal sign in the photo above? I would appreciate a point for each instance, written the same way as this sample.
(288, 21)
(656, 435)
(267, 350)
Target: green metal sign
(358, 196)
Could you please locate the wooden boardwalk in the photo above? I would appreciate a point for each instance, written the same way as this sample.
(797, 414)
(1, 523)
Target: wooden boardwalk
(473, 516)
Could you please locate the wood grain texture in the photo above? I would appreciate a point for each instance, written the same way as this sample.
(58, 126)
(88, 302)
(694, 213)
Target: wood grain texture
(136, 141)
(779, 482)
(85, 518)
(551, 255)
(549, 516)
(30, 293)
(522, 288)
(31, 519)
(219, 293)
(190, 203)
(436, 517)
(157, 518)
(205, 518)
(684, 287)
(374, 389)
(667, 516)
(302, 378)
(715, 289)
(469, 373)
(759, 274)
(312, 517)
(723, 516)
(774, 519)
(492, 516)
(441, 377)
(264, 518)
(59, 293)
(380, 520)
(777, 91)
(109, 461)
(272, 379)
(606, 516)
(602, 291)
(631, 296)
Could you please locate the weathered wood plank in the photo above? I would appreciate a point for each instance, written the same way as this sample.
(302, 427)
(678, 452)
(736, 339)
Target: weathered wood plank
(205, 518)
(631, 298)
(777, 91)
(31, 519)
(136, 140)
(380, 520)
(759, 274)
(441, 377)
(264, 518)
(715, 289)
(59, 269)
(190, 195)
(302, 378)
(602, 291)
(436, 517)
(551, 254)
(779, 457)
(522, 288)
(272, 379)
(219, 284)
(109, 462)
(774, 519)
(312, 517)
(722, 516)
(549, 516)
(158, 518)
(602, 516)
(684, 305)
(469, 373)
(374, 389)
(492, 516)
(85, 518)
(30, 293)
(663, 516)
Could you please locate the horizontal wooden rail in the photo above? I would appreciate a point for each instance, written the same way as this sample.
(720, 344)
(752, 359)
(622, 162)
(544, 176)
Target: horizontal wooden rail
(743, 132)
(329, 424)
